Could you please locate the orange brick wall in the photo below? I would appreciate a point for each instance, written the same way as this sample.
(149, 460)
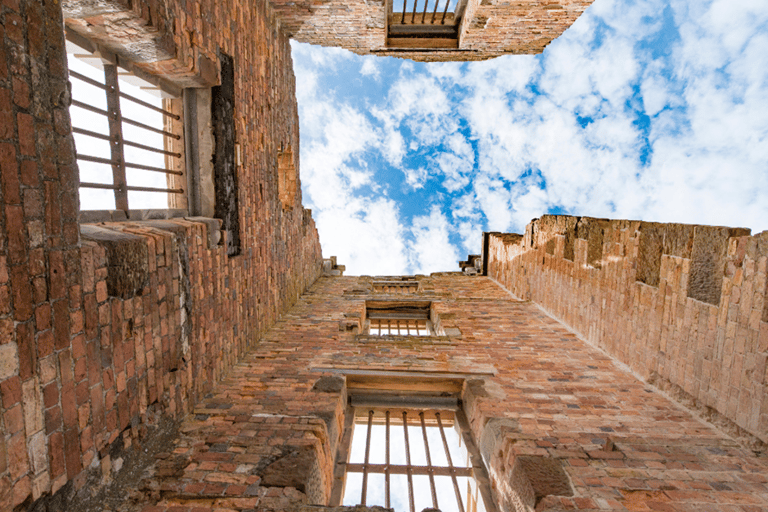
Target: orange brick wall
(78, 368)
(547, 394)
(591, 274)
(490, 28)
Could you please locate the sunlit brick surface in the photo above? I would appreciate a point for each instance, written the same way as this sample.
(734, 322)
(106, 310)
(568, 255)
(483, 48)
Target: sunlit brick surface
(622, 444)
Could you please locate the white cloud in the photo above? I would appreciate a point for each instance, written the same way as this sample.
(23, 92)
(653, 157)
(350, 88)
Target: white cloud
(370, 68)
(624, 116)
(431, 249)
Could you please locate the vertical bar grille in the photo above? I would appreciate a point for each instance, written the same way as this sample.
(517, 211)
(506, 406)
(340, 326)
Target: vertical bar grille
(104, 143)
(380, 452)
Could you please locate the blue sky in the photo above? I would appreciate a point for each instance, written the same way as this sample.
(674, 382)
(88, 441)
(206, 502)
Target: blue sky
(651, 110)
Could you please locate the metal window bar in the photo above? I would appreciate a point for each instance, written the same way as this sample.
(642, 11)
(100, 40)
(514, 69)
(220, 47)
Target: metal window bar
(429, 460)
(409, 469)
(398, 327)
(413, 10)
(115, 120)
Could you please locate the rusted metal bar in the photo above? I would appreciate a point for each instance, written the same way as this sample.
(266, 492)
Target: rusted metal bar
(90, 108)
(450, 463)
(116, 134)
(405, 8)
(87, 80)
(409, 469)
(413, 13)
(429, 460)
(399, 469)
(149, 106)
(150, 148)
(96, 159)
(434, 11)
(423, 17)
(89, 133)
(131, 189)
(367, 454)
(151, 128)
(386, 471)
(445, 10)
(153, 169)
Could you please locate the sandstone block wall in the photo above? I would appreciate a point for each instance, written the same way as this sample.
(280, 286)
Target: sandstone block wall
(683, 306)
(490, 27)
(104, 333)
(558, 423)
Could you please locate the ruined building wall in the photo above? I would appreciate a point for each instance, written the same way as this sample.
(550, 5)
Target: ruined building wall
(683, 306)
(490, 28)
(558, 423)
(102, 333)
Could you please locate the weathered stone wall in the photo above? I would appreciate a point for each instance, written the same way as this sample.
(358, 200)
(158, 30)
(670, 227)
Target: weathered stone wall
(558, 422)
(683, 306)
(99, 333)
(490, 27)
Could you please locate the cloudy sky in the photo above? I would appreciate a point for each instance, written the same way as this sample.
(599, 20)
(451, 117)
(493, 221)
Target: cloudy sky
(653, 110)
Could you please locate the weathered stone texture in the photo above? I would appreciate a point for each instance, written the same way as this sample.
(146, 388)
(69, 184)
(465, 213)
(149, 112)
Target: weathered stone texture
(560, 425)
(133, 319)
(490, 27)
(683, 306)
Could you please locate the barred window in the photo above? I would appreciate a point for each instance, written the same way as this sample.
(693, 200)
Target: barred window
(391, 318)
(128, 136)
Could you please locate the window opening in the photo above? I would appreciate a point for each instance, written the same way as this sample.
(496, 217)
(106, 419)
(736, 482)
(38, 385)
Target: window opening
(410, 459)
(424, 23)
(127, 137)
(399, 318)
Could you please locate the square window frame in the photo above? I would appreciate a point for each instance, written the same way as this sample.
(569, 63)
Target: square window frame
(430, 394)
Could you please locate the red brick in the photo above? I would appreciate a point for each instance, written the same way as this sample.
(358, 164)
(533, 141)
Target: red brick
(18, 461)
(53, 421)
(45, 343)
(43, 317)
(52, 209)
(27, 353)
(33, 203)
(39, 290)
(11, 390)
(14, 28)
(4, 277)
(5, 300)
(14, 419)
(20, 93)
(72, 452)
(82, 393)
(51, 395)
(26, 126)
(61, 324)
(3, 68)
(17, 238)
(10, 174)
(6, 129)
(29, 173)
(21, 490)
(12, 5)
(3, 456)
(56, 453)
(68, 406)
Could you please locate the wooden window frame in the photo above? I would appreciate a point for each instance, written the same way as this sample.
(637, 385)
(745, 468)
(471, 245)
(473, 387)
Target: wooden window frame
(173, 131)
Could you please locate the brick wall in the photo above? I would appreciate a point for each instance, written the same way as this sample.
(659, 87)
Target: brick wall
(490, 28)
(539, 400)
(683, 306)
(104, 333)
